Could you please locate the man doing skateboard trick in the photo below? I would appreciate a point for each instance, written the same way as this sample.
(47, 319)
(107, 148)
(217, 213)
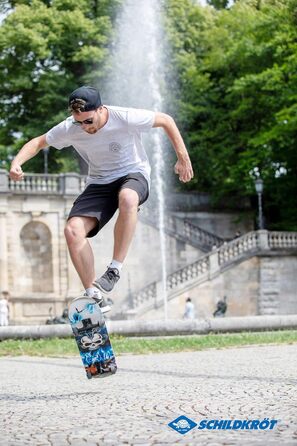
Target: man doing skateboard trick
(108, 138)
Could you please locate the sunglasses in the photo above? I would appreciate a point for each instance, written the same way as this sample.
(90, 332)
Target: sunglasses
(86, 121)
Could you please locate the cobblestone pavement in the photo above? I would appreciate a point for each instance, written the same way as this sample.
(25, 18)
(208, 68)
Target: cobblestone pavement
(50, 402)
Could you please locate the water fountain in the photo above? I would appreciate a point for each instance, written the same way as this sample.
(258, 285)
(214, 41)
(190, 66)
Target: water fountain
(135, 80)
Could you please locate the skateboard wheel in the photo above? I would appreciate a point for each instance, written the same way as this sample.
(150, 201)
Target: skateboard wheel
(113, 368)
(89, 375)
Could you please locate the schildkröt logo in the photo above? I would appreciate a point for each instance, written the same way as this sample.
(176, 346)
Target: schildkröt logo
(261, 425)
(182, 424)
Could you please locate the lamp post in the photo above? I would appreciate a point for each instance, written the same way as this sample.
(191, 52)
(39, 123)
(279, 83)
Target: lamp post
(45, 160)
(259, 189)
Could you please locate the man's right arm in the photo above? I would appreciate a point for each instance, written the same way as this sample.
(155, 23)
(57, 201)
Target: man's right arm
(28, 151)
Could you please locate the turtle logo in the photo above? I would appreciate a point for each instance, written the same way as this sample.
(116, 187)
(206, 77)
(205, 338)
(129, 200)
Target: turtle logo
(114, 147)
(182, 424)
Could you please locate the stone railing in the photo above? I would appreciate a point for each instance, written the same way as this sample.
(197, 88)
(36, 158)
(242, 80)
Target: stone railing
(150, 293)
(193, 271)
(35, 183)
(280, 240)
(183, 230)
(147, 293)
(212, 264)
(238, 247)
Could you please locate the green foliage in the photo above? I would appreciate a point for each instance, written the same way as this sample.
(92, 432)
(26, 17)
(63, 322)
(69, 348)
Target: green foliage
(237, 99)
(48, 48)
(236, 89)
(218, 4)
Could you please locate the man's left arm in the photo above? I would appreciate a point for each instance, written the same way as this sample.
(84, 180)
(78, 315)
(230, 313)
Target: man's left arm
(183, 167)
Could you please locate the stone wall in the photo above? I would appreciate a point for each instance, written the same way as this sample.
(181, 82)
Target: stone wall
(34, 262)
(278, 285)
(261, 285)
(36, 269)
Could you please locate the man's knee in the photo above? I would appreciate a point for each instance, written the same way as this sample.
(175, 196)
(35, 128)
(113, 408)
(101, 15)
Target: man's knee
(128, 200)
(74, 230)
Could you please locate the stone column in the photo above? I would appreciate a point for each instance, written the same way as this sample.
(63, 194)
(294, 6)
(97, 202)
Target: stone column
(3, 253)
(71, 184)
(263, 240)
(214, 267)
(269, 300)
(3, 234)
(3, 180)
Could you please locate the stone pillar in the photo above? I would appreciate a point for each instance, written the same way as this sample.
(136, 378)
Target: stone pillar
(70, 183)
(3, 180)
(3, 234)
(3, 253)
(214, 267)
(269, 300)
(263, 240)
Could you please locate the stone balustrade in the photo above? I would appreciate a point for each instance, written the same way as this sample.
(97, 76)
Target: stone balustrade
(183, 230)
(280, 240)
(147, 293)
(193, 271)
(35, 183)
(212, 264)
(238, 247)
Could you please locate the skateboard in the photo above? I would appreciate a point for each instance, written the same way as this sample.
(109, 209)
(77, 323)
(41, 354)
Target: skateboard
(90, 332)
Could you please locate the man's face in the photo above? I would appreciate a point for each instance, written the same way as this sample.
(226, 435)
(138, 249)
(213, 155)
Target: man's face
(89, 121)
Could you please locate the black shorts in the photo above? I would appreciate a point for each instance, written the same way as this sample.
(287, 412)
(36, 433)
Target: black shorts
(102, 200)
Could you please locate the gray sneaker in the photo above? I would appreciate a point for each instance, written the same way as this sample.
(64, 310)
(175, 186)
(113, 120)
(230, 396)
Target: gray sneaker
(104, 307)
(106, 282)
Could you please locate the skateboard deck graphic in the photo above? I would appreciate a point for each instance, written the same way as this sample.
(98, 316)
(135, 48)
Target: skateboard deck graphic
(90, 332)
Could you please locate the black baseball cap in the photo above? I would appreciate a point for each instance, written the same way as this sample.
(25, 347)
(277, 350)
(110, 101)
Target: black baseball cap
(90, 95)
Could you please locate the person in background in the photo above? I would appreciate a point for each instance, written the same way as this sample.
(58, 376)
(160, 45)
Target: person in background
(189, 309)
(221, 308)
(4, 309)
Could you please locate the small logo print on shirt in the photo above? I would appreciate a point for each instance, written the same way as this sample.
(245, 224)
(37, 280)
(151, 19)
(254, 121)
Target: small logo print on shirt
(115, 147)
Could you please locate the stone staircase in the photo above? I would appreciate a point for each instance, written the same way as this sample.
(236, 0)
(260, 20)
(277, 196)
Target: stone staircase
(182, 230)
(212, 264)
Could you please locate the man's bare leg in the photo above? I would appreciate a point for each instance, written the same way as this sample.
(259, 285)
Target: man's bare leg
(125, 226)
(123, 233)
(81, 253)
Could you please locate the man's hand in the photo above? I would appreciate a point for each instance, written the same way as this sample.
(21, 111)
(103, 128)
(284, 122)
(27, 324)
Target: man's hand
(30, 149)
(184, 170)
(183, 167)
(16, 173)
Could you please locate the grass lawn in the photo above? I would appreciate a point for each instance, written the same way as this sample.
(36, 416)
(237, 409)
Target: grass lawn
(67, 347)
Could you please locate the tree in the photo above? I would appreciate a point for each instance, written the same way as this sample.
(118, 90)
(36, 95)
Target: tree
(218, 4)
(48, 48)
(237, 99)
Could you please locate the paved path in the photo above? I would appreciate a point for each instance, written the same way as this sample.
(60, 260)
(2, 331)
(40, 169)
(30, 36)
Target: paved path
(50, 402)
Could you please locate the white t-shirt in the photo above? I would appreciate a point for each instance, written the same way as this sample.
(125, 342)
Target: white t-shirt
(115, 150)
(189, 311)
